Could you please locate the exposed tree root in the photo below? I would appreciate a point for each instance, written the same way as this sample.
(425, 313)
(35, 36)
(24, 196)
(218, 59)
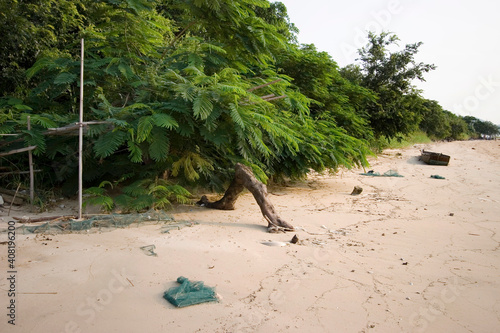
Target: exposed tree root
(244, 178)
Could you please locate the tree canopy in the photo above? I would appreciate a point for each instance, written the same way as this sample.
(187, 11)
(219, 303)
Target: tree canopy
(389, 75)
(185, 89)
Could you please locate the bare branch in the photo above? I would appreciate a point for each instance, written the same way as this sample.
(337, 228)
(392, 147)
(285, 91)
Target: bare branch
(264, 85)
(20, 150)
(273, 98)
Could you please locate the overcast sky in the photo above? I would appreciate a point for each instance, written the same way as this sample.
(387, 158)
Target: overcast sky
(462, 38)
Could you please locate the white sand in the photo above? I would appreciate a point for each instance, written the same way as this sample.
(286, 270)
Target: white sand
(411, 254)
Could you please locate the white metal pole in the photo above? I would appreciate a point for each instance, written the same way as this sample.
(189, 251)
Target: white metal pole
(80, 143)
(32, 175)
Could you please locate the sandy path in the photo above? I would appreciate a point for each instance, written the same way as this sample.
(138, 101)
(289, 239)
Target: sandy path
(411, 254)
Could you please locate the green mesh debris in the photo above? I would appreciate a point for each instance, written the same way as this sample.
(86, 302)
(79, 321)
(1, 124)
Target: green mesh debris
(80, 225)
(103, 223)
(35, 229)
(437, 177)
(177, 226)
(392, 173)
(190, 293)
(371, 173)
(149, 250)
(389, 173)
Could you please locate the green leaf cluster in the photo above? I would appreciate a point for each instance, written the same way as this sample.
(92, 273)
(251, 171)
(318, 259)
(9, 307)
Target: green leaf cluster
(389, 75)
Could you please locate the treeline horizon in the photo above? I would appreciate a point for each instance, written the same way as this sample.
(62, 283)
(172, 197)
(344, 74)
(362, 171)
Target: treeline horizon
(186, 89)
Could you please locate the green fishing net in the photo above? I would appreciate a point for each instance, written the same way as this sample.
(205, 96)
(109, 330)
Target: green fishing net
(104, 223)
(389, 173)
(190, 293)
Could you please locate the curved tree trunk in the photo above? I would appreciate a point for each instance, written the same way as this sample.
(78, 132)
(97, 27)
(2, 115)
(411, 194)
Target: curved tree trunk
(244, 178)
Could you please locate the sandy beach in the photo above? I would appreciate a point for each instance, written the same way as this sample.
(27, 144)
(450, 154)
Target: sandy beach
(408, 254)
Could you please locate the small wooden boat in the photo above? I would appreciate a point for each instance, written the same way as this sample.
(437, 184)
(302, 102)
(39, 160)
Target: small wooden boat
(432, 158)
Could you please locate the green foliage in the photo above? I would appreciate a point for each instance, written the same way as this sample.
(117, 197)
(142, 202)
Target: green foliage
(10, 109)
(192, 164)
(434, 121)
(139, 196)
(408, 140)
(14, 118)
(458, 127)
(333, 97)
(30, 28)
(246, 38)
(108, 143)
(479, 128)
(277, 15)
(147, 193)
(96, 196)
(389, 75)
(179, 86)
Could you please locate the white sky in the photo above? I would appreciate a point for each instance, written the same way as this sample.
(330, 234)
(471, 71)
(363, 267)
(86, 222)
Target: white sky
(461, 37)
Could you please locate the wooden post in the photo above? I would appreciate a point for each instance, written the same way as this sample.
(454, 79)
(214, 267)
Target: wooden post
(32, 175)
(80, 143)
(13, 199)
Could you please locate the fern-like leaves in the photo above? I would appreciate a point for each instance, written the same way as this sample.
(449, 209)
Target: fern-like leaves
(202, 106)
(107, 144)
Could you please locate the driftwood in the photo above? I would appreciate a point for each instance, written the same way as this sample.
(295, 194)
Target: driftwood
(244, 178)
(12, 199)
(13, 192)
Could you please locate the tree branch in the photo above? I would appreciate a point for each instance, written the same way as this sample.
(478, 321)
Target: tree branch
(15, 151)
(244, 178)
(264, 85)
